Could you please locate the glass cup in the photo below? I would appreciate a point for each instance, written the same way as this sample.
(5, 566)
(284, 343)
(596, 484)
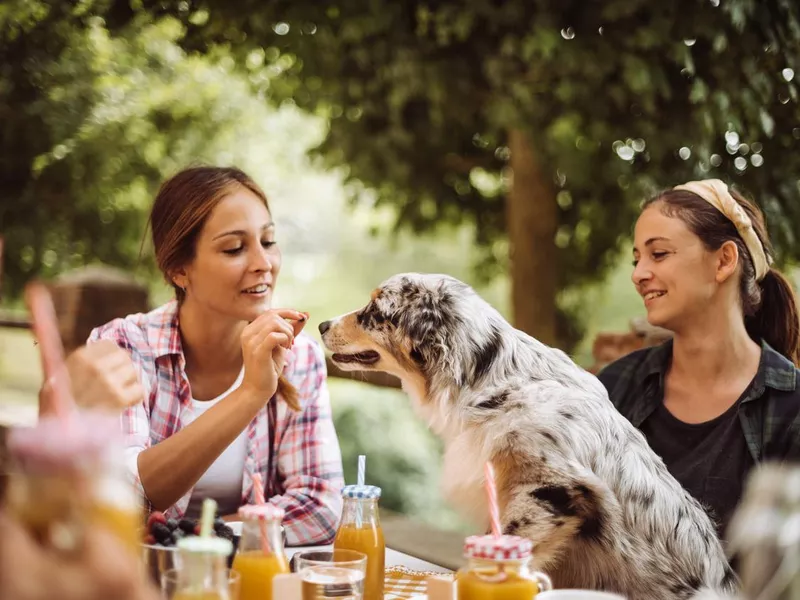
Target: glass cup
(336, 575)
(171, 583)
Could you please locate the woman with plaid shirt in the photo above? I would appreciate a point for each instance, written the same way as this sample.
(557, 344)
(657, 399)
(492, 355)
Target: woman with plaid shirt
(232, 386)
(723, 394)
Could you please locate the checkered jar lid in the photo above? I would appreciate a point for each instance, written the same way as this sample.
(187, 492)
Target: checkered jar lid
(261, 512)
(361, 492)
(503, 547)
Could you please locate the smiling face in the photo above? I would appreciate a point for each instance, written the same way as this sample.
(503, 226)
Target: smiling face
(674, 273)
(236, 259)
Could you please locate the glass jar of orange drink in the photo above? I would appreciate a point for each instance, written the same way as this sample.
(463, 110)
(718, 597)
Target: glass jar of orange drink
(260, 555)
(68, 474)
(498, 569)
(360, 530)
(203, 572)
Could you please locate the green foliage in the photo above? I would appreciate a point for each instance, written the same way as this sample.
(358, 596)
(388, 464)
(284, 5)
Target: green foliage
(402, 455)
(92, 123)
(619, 98)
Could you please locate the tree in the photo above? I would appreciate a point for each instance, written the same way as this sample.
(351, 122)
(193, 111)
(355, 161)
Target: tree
(542, 123)
(92, 123)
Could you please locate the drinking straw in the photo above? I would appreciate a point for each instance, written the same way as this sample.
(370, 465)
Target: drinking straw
(45, 329)
(258, 490)
(207, 517)
(362, 474)
(491, 493)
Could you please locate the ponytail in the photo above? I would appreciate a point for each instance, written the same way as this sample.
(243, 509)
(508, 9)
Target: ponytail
(289, 393)
(776, 321)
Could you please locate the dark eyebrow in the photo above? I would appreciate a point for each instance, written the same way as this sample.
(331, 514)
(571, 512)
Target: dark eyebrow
(242, 232)
(656, 239)
(651, 241)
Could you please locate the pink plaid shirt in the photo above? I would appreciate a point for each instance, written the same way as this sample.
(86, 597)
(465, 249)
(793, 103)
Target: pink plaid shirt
(301, 468)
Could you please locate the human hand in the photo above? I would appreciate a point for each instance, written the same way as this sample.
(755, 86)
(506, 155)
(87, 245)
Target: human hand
(265, 342)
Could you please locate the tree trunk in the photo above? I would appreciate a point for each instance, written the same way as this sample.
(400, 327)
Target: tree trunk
(532, 220)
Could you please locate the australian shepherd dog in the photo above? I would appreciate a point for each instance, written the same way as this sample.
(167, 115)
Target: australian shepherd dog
(572, 474)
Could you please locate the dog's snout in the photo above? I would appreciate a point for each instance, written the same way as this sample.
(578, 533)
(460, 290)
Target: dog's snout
(324, 326)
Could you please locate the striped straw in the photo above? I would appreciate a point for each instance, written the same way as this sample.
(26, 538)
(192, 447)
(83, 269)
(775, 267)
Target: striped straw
(362, 469)
(491, 493)
(362, 476)
(258, 491)
(45, 328)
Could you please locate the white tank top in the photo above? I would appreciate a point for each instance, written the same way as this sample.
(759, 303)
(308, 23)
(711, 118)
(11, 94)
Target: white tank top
(223, 479)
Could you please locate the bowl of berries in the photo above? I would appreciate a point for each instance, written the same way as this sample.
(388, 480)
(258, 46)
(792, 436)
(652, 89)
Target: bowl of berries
(159, 550)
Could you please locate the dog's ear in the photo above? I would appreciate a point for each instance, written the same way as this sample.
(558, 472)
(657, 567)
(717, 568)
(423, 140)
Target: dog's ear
(421, 319)
(427, 321)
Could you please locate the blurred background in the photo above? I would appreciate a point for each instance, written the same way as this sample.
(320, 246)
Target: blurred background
(506, 142)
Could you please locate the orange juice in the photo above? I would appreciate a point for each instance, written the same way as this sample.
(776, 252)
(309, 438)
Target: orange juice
(360, 531)
(491, 584)
(257, 570)
(126, 525)
(498, 569)
(260, 557)
(197, 596)
(367, 539)
(73, 476)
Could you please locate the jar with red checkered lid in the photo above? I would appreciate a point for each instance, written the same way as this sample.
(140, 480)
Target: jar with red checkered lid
(260, 555)
(498, 568)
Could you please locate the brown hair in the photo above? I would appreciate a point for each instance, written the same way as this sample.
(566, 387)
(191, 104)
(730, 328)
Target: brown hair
(181, 209)
(769, 306)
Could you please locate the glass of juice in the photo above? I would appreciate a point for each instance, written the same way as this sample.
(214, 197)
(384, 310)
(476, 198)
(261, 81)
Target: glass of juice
(339, 574)
(203, 572)
(260, 554)
(68, 474)
(498, 569)
(360, 530)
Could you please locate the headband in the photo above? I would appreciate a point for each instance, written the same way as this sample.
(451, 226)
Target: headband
(716, 193)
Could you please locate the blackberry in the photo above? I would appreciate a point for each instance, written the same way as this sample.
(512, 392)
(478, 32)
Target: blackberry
(219, 523)
(172, 524)
(162, 533)
(225, 532)
(186, 525)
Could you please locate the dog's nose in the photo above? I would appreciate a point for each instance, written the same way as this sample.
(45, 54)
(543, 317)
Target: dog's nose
(324, 326)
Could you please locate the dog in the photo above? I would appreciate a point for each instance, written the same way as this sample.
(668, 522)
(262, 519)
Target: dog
(572, 474)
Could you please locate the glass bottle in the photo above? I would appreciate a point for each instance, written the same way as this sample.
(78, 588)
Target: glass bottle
(498, 568)
(260, 554)
(360, 530)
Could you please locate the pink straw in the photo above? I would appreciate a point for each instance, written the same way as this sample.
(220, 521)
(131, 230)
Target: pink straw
(45, 329)
(258, 490)
(491, 493)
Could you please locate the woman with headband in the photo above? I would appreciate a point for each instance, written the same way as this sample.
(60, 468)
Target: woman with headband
(723, 394)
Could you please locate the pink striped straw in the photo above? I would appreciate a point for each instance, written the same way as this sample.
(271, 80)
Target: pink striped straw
(491, 493)
(258, 491)
(45, 329)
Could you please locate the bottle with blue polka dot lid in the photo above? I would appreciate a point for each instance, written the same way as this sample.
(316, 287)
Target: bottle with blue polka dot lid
(360, 530)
